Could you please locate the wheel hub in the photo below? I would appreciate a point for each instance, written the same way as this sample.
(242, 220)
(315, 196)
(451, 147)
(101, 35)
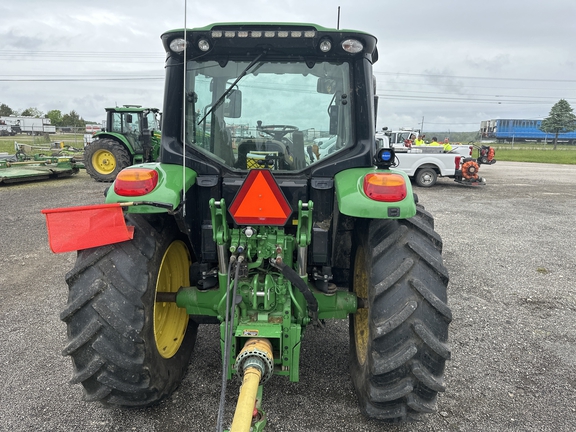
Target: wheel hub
(170, 321)
(104, 162)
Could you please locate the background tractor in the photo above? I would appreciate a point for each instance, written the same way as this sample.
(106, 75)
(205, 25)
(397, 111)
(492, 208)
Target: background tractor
(131, 135)
(238, 225)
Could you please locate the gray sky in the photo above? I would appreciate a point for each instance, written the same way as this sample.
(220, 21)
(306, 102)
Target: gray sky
(451, 63)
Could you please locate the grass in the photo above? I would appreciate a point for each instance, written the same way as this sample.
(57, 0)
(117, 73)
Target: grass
(533, 152)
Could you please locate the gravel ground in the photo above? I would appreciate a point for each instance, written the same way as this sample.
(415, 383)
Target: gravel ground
(509, 248)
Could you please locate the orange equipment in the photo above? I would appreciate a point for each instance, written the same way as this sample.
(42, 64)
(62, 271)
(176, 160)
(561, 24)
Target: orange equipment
(470, 170)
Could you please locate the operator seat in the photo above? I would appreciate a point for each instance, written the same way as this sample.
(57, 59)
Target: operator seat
(252, 153)
(298, 150)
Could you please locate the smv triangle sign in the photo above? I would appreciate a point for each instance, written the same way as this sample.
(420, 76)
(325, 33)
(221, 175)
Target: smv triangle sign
(260, 201)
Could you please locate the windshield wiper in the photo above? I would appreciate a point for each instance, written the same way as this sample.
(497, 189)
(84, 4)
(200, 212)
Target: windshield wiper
(229, 89)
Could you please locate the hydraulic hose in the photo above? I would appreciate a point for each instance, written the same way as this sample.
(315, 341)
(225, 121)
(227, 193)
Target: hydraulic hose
(227, 339)
(302, 286)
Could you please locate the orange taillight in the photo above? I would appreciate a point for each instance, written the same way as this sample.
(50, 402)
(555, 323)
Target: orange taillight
(135, 181)
(387, 187)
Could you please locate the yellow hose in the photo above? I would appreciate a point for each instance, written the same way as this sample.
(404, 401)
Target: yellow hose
(246, 401)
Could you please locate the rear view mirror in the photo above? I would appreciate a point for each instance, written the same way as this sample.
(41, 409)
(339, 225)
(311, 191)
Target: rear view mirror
(326, 85)
(233, 104)
(128, 118)
(333, 114)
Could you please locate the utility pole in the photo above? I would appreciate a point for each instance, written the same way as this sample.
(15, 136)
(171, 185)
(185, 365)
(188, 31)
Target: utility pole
(422, 125)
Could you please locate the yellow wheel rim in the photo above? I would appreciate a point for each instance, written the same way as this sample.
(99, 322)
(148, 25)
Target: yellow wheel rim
(170, 321)
(361, 316)
(104, 161)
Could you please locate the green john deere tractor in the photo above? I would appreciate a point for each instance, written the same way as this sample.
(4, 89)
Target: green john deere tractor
(132, 135)
(243, 223)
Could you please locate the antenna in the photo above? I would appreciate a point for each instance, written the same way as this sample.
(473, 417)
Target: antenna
(184, 116)
(338, 22)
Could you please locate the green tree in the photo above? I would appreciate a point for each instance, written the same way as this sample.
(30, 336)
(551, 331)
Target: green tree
(5, 110)
(73, 120)
(34, 112)
(55, 117)
(560, 120)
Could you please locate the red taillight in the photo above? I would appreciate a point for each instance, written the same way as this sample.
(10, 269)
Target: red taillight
(135, 181)
(457, 160)
(388, 187)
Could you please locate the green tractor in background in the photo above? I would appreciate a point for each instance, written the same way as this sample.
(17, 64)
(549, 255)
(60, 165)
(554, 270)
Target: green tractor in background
(132, 135)
(243, 223)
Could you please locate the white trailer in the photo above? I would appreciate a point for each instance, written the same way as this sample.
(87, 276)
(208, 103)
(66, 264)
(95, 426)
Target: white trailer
(29, 125)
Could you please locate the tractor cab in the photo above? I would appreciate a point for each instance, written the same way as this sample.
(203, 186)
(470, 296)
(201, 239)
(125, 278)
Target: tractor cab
(258, 96)
(136, 125)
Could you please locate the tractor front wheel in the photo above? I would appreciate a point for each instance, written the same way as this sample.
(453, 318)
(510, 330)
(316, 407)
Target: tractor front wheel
(104, 158)
(128, 349)
(399, 341)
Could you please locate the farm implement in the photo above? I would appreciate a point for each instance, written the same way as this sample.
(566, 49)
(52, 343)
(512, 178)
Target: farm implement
(23, 167)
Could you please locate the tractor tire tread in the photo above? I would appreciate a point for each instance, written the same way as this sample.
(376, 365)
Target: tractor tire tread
(408, 319)
(385, 326)
(423, 375)
(100, 394)
(87, 334)
(431, 341)
(434, 301)
(403, 388)
(108, 333)
(382, 364)
(89, 370)
(96, 287)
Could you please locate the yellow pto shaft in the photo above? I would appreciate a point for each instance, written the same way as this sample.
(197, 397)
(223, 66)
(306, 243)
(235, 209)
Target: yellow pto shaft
(246, 401)
(254, 361)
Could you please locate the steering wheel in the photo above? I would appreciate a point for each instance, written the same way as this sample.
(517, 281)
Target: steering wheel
(278, 131)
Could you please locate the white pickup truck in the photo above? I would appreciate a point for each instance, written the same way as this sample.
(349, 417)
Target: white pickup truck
(424, 164)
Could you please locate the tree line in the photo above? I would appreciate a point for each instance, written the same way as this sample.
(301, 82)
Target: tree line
(56, 117)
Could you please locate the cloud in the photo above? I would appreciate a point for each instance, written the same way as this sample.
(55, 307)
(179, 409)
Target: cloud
(449, 61)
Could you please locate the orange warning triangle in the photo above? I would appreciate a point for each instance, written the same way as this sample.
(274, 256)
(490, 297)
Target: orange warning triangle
(260, 201)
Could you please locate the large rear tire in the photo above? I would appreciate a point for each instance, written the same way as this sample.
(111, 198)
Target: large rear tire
(399, 342)
(126, 348)
(104, 158)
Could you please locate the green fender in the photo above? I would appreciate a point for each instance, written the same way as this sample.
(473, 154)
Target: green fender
(352, 201)
(167, 191)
